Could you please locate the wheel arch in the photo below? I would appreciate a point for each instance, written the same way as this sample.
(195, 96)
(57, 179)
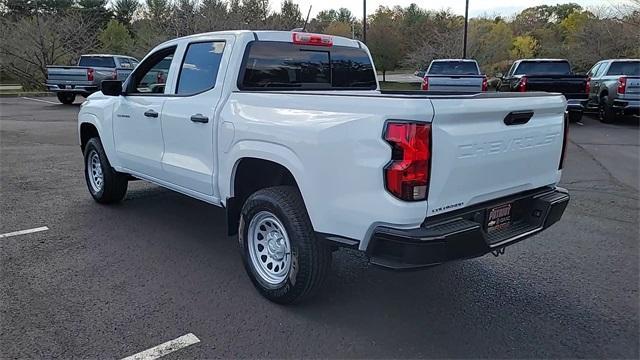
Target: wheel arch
(243, 182)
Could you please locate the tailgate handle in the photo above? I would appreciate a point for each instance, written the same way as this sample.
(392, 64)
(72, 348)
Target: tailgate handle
(518, 117)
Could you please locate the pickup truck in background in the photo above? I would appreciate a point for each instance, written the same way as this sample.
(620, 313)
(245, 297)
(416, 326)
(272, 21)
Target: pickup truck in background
(453, 75)
(614, 88)
(549, 75)
(290, 133)
(85, 78)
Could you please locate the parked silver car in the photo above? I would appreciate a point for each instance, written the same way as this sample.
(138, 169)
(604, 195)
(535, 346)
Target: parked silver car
(614, 88)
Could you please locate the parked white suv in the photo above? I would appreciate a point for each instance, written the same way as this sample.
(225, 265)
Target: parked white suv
(290, 133)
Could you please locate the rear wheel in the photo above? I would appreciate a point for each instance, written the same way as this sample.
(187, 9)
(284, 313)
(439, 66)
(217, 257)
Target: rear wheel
(66, 98)
(607, 114)
(105, 184)
(281, 254)
(575, 116)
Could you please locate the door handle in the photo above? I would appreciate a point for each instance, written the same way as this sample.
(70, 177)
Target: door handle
(199, 118)
(151, 113)
(518, 117)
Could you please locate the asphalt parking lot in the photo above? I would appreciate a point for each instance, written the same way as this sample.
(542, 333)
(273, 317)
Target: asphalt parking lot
(112, 281)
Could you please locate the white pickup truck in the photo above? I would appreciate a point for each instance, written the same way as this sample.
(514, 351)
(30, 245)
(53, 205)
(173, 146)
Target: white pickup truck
(290, 133)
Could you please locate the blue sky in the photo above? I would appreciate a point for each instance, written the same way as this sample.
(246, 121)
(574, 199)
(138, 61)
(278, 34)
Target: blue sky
(476, 7)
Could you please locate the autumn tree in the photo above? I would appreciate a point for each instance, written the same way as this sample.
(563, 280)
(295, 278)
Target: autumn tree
(383, 40)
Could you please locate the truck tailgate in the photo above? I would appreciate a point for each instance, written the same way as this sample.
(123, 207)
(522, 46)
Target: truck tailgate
(572, 86)
(66, 73)
(477, 157)
(453, 83)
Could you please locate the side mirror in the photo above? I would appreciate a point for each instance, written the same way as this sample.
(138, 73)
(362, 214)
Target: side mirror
(499, 75)
(112, 87)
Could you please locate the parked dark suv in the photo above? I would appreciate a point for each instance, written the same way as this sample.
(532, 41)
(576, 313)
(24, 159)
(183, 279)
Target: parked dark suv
(614, 88)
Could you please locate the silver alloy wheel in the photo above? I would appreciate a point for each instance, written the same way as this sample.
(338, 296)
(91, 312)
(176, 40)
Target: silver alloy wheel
(269, 248)
(94, 171)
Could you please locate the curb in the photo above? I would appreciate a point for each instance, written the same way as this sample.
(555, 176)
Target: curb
(27, 93)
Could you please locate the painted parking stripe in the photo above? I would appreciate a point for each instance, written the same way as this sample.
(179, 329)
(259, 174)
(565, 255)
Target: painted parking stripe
(23, 232)
(165, 348)
(40, 100)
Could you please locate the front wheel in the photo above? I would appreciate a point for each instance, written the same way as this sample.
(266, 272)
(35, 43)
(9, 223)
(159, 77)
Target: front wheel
(66, 98)
(281, 254)
(105, 184)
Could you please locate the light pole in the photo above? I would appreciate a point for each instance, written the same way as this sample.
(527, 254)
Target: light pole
(466, 25)
(364, 22)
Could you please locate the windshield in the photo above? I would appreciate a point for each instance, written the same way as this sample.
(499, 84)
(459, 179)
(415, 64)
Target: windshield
(624, 68)
(543, 67)
(453, 68)
(97, 61)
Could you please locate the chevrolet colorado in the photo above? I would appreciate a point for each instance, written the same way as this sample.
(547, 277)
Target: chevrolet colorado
(290, 133)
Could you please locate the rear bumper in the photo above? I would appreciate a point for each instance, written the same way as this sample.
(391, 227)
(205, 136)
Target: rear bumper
(627, 106)
(76, 89)
(576, 105)
(462, 235)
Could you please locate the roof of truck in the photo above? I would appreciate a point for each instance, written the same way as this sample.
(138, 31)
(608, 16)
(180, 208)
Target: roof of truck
(266, 35)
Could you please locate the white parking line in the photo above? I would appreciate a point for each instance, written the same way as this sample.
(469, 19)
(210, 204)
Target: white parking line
(165, 348)
(40, 100)
(23, 232)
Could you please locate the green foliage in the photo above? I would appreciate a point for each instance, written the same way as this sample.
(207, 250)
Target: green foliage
(524, 47)
(384, 40)
(115, 38)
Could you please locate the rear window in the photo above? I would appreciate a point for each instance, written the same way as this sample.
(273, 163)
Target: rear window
(543, 67)
(624, 68)
(97, 61)
(453, 68)
(272, 65)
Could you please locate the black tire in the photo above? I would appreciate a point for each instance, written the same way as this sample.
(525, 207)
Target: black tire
(607, 114)
(114, 184)
(66, 98)
(310, 257)
(575, 116)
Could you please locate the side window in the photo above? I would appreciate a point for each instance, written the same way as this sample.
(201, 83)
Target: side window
(512, 70)
(199, 68)
(151, 75)
(602, 69)
(594, 70)
(125, 63)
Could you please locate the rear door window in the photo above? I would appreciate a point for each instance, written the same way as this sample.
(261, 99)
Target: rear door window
(200, 66)
(97, 61)
(272, 65)
(453, 68)
(631, 68)
(543, 67)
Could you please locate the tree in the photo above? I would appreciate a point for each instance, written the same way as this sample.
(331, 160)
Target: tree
(383, 41)
(289, 17)
(339, 28)
(124, 10)
(524, 47)
(115, 38)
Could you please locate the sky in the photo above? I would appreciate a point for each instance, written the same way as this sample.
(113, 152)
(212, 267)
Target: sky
(476, 7)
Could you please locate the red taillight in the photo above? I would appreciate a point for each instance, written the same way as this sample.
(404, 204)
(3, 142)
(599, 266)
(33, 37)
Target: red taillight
(425, 83)
(407, 175)
(312, 39)
(622, 85)
(90, 72)
(522, 85)
(485, 84)
(565, 140)
(114, 75)
(587, 86)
